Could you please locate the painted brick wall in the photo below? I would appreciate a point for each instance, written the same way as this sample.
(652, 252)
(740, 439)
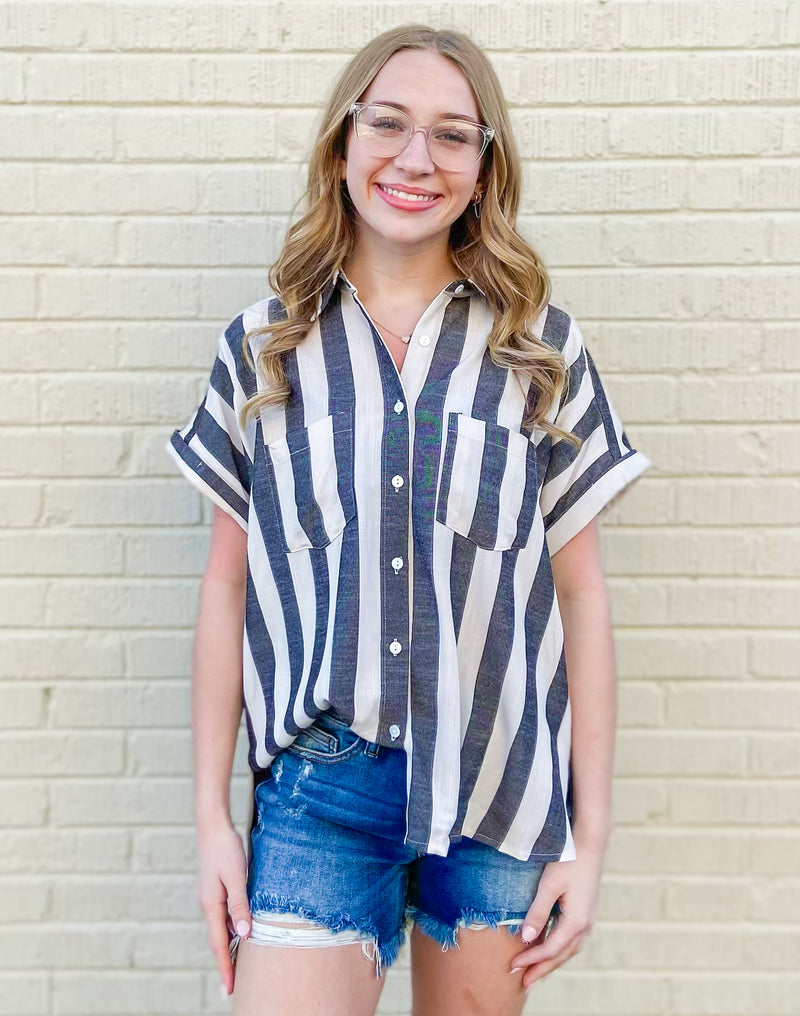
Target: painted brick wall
(151, 157)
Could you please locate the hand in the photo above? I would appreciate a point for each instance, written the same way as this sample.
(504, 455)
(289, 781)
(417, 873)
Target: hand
(222, 891)
(574, 885)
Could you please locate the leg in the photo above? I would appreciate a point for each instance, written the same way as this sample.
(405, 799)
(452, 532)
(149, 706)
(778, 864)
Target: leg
(468, 909)
(471, 979)
(324, 980)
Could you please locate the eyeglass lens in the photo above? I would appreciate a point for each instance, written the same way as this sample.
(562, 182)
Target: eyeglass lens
(454, 144)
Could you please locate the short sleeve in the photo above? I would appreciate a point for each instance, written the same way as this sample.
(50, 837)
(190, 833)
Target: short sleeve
(580, 482)
(213, 451)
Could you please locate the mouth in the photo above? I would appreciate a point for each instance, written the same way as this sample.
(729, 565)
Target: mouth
(407, 200)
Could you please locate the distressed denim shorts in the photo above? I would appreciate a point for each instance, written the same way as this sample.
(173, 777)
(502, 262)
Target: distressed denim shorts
(326, 846)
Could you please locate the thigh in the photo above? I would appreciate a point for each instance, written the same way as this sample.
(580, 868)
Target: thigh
(468, 910)
(322, 874)
(273, 980)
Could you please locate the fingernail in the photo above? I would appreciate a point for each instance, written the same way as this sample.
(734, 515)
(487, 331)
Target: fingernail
(242, 928)
(514, 970)
(223, 992)
(528, 933)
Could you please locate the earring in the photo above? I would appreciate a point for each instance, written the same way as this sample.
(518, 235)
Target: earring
(476, 205)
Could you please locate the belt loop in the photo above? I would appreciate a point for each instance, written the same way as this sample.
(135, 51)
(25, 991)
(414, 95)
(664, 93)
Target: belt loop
(370, 748)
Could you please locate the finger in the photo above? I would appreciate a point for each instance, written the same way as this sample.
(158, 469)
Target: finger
(540, 970)
(557, 940)
(539, 913)
(218, 939)
(239, 909)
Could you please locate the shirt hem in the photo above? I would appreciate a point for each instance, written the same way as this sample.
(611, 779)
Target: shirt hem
(620, 474)
(205, 488)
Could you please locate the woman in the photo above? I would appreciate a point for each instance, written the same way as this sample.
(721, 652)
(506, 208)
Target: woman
(408, 447)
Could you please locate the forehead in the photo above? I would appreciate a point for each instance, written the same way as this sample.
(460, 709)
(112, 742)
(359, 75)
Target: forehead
(427, 83)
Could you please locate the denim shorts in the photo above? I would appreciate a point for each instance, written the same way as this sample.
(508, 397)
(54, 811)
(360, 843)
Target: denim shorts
(326, 846)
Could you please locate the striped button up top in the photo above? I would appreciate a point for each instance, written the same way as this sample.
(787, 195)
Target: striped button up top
(399, 533)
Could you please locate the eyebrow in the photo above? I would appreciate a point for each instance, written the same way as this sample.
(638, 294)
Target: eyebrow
(405, 109)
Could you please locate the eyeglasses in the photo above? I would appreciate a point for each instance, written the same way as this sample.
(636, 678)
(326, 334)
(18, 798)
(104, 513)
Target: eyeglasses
(453, 145)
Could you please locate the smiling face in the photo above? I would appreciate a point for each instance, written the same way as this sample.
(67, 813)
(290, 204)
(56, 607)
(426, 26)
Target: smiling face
(430, 87)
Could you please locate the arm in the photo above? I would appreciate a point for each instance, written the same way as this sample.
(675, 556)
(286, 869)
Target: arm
(216, 714)
(591, 669)
(588, 645)
(217, 668)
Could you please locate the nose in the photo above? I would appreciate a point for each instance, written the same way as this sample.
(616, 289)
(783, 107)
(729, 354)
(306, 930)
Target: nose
(415, 158)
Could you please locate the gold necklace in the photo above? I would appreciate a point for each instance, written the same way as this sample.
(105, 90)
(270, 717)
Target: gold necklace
(403, 338)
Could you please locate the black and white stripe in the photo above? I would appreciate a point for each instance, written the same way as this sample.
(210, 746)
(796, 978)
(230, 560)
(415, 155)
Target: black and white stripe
(400, 530)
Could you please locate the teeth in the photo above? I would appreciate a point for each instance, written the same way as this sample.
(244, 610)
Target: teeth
(405, 196)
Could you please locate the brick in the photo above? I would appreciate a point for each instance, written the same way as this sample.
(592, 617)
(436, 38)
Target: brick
(707, 802)
(17, 193)
(749, 706)
(737, 501)
(157, 654)
(773, 899)
(24, 994)
(22, 601)
(54, 451)
(24, 899)
(638, 801)
(774, 654)
(46, 753)
(663, 753)
(102, 802)
(64, 851)
(728, 994)
(774, 754)
(120, 603)
(63, 654)
(45, 241)
(54, 553)
(722, 899)
(125, 705)
(117, 293)
(650, 653)
(640, 705)
(121, 502)
(19, 399)
(113, 898)
(49, 346)
(20, 708)
(730, 185)
(125, 993)
(110, 398)
(182, 553)
(66, 134)
(77, 947)
(109, 189)
(23, 803)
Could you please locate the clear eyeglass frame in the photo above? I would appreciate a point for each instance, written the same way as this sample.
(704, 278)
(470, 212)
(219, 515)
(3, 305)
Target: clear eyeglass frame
(487, 132)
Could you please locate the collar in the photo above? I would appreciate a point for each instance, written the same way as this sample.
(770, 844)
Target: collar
(459, 287)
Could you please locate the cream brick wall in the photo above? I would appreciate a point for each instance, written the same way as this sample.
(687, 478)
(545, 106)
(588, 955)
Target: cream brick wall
(150, 163)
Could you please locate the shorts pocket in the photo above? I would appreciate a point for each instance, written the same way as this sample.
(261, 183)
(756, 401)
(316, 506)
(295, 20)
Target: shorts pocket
(326, 746)
(313, 492)
(489, 487)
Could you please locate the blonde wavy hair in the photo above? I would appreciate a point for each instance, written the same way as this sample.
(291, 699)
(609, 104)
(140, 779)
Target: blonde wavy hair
(487, 249)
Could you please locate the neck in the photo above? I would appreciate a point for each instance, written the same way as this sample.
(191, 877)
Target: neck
(399, 277)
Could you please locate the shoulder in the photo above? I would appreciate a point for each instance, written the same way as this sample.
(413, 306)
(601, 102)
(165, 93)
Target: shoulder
(248, 322)
(559, 329)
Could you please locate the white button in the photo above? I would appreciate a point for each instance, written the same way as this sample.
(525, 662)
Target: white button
(397, 563)
(394, 730)
(397, 482)
(459, 289)
(398, 407)
(424, 340)
(394, 647)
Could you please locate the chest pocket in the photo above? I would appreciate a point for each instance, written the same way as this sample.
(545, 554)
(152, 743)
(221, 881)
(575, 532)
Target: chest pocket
(488, 491)
(313, 493)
